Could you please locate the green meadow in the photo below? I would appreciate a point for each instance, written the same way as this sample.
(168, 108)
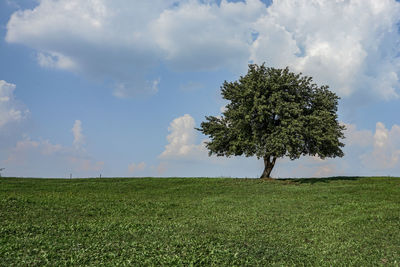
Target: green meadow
(200, 221)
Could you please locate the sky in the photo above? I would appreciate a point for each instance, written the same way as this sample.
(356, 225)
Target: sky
(116, 88)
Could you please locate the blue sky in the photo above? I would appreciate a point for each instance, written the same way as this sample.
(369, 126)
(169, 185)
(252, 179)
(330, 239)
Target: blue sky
(117, 87)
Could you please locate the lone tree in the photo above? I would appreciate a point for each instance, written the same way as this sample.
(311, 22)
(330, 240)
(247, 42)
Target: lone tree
(273, 113)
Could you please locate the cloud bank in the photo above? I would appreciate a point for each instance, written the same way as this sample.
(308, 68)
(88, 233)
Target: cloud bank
(350, 45)
(28, 157)
(366, 152)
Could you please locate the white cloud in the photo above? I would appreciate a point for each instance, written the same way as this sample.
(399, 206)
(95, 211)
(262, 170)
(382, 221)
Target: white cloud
(79, 138)
(199, 36)
(10, 110)
(48, 148)
(355, 137)
(102, 39)
(133, 167)
(386, 149)
(350, 45)
(55, 60)
(182, 139)
(185, 155)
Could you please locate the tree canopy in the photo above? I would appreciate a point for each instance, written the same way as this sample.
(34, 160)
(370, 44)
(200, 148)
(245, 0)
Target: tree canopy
(273, 113)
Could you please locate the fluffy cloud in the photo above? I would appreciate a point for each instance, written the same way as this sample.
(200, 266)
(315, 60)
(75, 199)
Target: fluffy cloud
(55, 60)
(386, 149)
(202, 36)
(182, 139)
(355, 137)
(350, 45)
(185, 155)
(102, 39)
(10, 110)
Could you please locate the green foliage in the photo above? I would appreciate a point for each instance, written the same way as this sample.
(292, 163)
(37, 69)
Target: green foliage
(275, 113)
(184, 222)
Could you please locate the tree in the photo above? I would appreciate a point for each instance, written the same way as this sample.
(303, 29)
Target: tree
(273, 113)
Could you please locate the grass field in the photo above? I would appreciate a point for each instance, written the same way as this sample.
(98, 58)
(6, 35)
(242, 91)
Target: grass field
(189, 221)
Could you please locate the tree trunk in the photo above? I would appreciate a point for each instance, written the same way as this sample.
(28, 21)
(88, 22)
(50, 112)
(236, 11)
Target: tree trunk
(269, 163)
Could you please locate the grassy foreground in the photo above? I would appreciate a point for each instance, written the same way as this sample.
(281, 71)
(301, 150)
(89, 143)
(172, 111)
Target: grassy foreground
(189, 221)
